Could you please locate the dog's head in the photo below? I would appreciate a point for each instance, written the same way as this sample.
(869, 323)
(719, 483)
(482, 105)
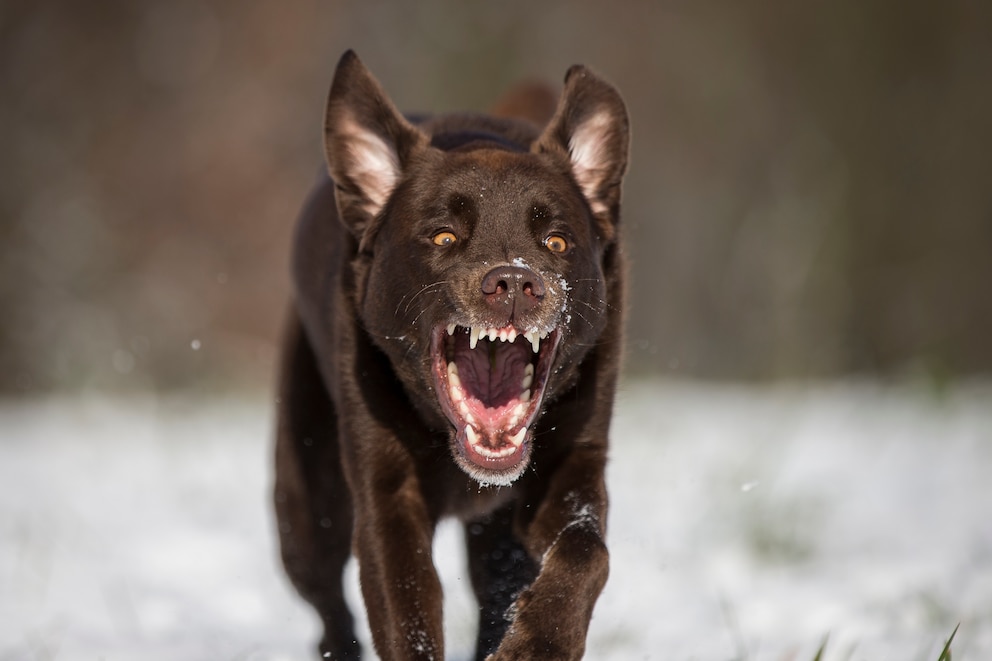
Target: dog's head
(480, 268)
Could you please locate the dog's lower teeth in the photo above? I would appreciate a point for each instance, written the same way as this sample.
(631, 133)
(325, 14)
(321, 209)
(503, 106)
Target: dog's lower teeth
(471, 435)
(518, 438)
(494, 454)
(525, 395)
(528, 379)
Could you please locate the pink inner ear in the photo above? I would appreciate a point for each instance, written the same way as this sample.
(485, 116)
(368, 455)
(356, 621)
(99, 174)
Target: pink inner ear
(372, 165)
(589, 150)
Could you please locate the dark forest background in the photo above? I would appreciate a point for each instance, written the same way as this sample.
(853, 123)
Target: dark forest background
(810, 193)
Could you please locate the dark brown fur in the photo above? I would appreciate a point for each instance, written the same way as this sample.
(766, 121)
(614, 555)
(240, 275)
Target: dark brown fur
(368, 456)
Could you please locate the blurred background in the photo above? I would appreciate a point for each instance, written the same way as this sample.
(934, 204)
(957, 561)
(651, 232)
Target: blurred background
(810, 192)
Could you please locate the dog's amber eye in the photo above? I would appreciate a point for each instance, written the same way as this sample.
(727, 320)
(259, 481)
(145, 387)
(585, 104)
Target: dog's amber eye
(444, 239)
(556, 243)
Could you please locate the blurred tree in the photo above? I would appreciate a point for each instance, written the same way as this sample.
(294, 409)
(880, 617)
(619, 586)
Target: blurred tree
(808, 194)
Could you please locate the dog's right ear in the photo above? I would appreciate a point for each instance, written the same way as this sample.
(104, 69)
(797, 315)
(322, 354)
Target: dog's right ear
(367, 143)
(591, 129)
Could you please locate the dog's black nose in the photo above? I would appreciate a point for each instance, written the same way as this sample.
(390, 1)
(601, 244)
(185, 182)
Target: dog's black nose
(512, 289)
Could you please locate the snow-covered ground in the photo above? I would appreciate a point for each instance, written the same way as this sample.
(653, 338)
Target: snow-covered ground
(746, 523)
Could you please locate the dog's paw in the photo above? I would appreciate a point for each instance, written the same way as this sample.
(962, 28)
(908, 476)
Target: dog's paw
(523, 645)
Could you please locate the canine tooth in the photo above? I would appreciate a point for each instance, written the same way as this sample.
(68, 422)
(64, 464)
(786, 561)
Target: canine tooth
(528, 378)
(471, 435)
(535, 340)
(518, 438)
(525, 396)
(473, 337)
(451, 329)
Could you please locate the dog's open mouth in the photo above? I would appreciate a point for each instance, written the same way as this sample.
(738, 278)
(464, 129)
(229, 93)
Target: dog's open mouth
(490, 384)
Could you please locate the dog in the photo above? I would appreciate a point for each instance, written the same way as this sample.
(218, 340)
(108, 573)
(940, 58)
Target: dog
(453, 350)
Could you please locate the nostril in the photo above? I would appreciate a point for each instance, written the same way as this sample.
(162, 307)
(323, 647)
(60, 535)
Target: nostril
(534, 288)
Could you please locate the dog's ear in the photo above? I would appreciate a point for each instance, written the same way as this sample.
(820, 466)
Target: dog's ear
(591, 128)
(367, 143)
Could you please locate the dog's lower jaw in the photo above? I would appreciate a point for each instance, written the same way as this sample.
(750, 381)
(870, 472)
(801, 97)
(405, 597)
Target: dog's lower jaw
(499, 471)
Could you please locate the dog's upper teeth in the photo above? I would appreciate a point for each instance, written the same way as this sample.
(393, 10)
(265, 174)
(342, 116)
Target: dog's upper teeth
(534, 339)
(509, 334)
(525, 395)
(451, 329)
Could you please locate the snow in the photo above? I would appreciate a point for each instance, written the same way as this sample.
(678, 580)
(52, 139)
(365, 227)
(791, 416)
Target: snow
(745, 523)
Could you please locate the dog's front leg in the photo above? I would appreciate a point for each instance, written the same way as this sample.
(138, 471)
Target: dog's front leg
(551, 617)
(393, 535)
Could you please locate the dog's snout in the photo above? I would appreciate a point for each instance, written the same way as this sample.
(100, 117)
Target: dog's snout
(512, 289)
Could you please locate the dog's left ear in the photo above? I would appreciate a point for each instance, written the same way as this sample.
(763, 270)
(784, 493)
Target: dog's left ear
(591, 128)
(368, 145)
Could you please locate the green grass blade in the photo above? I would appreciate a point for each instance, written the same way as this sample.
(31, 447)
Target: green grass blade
(945, 655)
(823, 648)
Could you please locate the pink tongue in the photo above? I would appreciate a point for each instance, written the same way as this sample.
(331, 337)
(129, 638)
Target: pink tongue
(492, 372)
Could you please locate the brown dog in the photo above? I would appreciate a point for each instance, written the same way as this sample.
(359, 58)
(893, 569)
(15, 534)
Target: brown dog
(453, 350)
